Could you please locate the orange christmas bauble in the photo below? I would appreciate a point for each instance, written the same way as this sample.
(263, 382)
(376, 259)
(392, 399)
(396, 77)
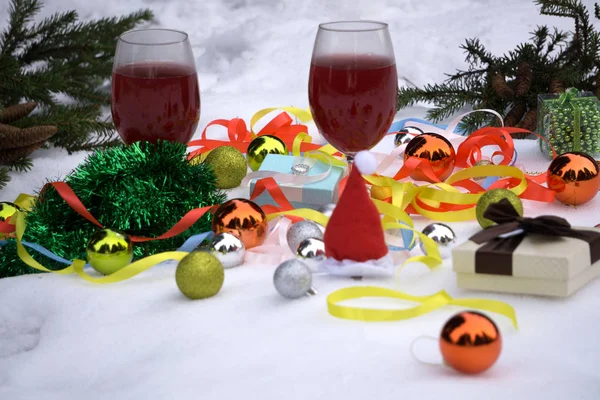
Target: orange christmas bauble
(438, 152)
(242, 218)
(575, 178)
(470, 342)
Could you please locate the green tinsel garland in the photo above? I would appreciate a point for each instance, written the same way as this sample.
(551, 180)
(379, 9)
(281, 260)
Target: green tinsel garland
(142, 189)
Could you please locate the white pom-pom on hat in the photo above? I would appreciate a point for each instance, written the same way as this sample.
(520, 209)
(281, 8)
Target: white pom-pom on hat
(365, 162)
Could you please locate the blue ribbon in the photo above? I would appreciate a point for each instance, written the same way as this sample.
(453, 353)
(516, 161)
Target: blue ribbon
(188, 246)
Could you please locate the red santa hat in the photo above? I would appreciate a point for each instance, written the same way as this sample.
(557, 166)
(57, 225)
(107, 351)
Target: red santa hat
(354, 231)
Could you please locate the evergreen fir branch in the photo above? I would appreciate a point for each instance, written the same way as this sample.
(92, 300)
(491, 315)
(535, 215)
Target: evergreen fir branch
(4, 178)
(21, 12)
(476, 53)
(596, 10)
(557, 38)
(540, 38)
(22, 165)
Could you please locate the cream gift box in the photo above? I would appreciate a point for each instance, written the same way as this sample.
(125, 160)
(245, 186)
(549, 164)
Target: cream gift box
(542, 255)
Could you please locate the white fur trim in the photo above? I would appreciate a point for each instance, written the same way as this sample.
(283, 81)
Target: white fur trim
(366, 162)
(385, 266)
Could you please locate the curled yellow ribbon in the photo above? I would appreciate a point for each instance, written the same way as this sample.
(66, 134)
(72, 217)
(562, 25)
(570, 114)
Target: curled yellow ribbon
(427, 305)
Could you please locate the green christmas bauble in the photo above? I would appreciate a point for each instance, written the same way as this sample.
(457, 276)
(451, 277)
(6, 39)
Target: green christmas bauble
(229, 166)
(494, 196)
(260, 146)
(199, 275)
(108, 251)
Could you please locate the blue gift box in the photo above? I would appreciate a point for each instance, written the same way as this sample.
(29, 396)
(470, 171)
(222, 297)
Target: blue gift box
(310, 195)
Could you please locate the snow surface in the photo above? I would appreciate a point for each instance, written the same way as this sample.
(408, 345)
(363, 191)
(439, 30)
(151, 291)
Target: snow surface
(62, 338)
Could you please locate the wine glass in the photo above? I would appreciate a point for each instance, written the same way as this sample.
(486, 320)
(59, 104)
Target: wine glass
(353, 84)
(155, 93)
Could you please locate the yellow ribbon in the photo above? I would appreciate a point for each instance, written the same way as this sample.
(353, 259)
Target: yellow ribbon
(303, 115)
(76, 267)
(427, 305)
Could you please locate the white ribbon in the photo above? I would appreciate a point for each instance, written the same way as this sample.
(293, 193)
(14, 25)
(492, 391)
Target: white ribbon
(290, 178)
(448, 133)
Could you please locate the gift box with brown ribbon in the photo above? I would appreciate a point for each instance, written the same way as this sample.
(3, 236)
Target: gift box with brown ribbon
(540, 256)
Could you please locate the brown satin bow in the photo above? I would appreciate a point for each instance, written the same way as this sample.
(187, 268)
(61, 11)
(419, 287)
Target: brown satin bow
(508, 219)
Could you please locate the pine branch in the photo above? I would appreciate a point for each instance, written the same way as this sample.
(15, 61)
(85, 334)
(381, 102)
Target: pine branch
(21, 13)
(21, 164)
(476, 53)
(4, 178)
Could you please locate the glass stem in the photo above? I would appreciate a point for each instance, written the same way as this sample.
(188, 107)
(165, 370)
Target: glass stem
(350, 162)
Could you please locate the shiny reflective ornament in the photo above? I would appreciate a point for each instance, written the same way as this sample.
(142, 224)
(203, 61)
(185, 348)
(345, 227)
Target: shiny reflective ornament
(301, 231)
(494, 196)
(229, 166)
(438, 152)
(405, 135)
(443, 235)
(244, 219)
(470, 342)
(229, 249)
(199, 275)
(311, 248)
(261, 146)
(381, 192)
(109, 251)
(293, 279)
(327, 209)
(7, 210)
(574, 177)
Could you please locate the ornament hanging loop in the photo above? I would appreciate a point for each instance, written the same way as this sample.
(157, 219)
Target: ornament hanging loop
(413, 352)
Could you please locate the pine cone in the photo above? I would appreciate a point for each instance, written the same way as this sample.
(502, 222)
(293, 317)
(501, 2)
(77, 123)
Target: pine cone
(10, 156)
(14, 113)
(515, 114)
(501, 88)
(524, 77)
(528, 122)
(11, 139)
(556, 86)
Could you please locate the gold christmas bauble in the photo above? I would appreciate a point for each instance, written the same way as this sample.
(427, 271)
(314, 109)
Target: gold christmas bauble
(243, 218)
(199, 275)
(7, 210)
(229, 166)
(494, 196)
(381, 192)
(109, 251)
(261, 146)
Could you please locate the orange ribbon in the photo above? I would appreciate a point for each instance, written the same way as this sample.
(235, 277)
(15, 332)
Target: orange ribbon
(240, 137)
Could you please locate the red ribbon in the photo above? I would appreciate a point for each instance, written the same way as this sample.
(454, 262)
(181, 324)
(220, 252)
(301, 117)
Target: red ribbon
(240, 137)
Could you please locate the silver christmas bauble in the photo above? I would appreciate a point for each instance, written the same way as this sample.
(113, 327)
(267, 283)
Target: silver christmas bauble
(293, 279)
(443, 235)
(311, 248)
(405, 135)
(300, 231)
(327, 209)
(228, 248)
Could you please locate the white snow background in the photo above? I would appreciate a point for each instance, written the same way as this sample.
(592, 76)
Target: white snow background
(62, 338)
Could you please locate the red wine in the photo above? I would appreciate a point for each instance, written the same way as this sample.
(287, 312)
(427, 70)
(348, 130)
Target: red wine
(353, 99)
(152, 101)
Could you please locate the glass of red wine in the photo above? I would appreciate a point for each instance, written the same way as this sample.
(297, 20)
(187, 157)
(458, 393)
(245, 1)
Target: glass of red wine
(353, 84)
(155, 93)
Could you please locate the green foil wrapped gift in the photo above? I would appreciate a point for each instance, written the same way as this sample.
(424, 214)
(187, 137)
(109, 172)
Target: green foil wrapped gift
(570, 121)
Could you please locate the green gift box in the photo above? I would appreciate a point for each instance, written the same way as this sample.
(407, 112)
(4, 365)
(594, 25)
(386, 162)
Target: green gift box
(569, 121)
